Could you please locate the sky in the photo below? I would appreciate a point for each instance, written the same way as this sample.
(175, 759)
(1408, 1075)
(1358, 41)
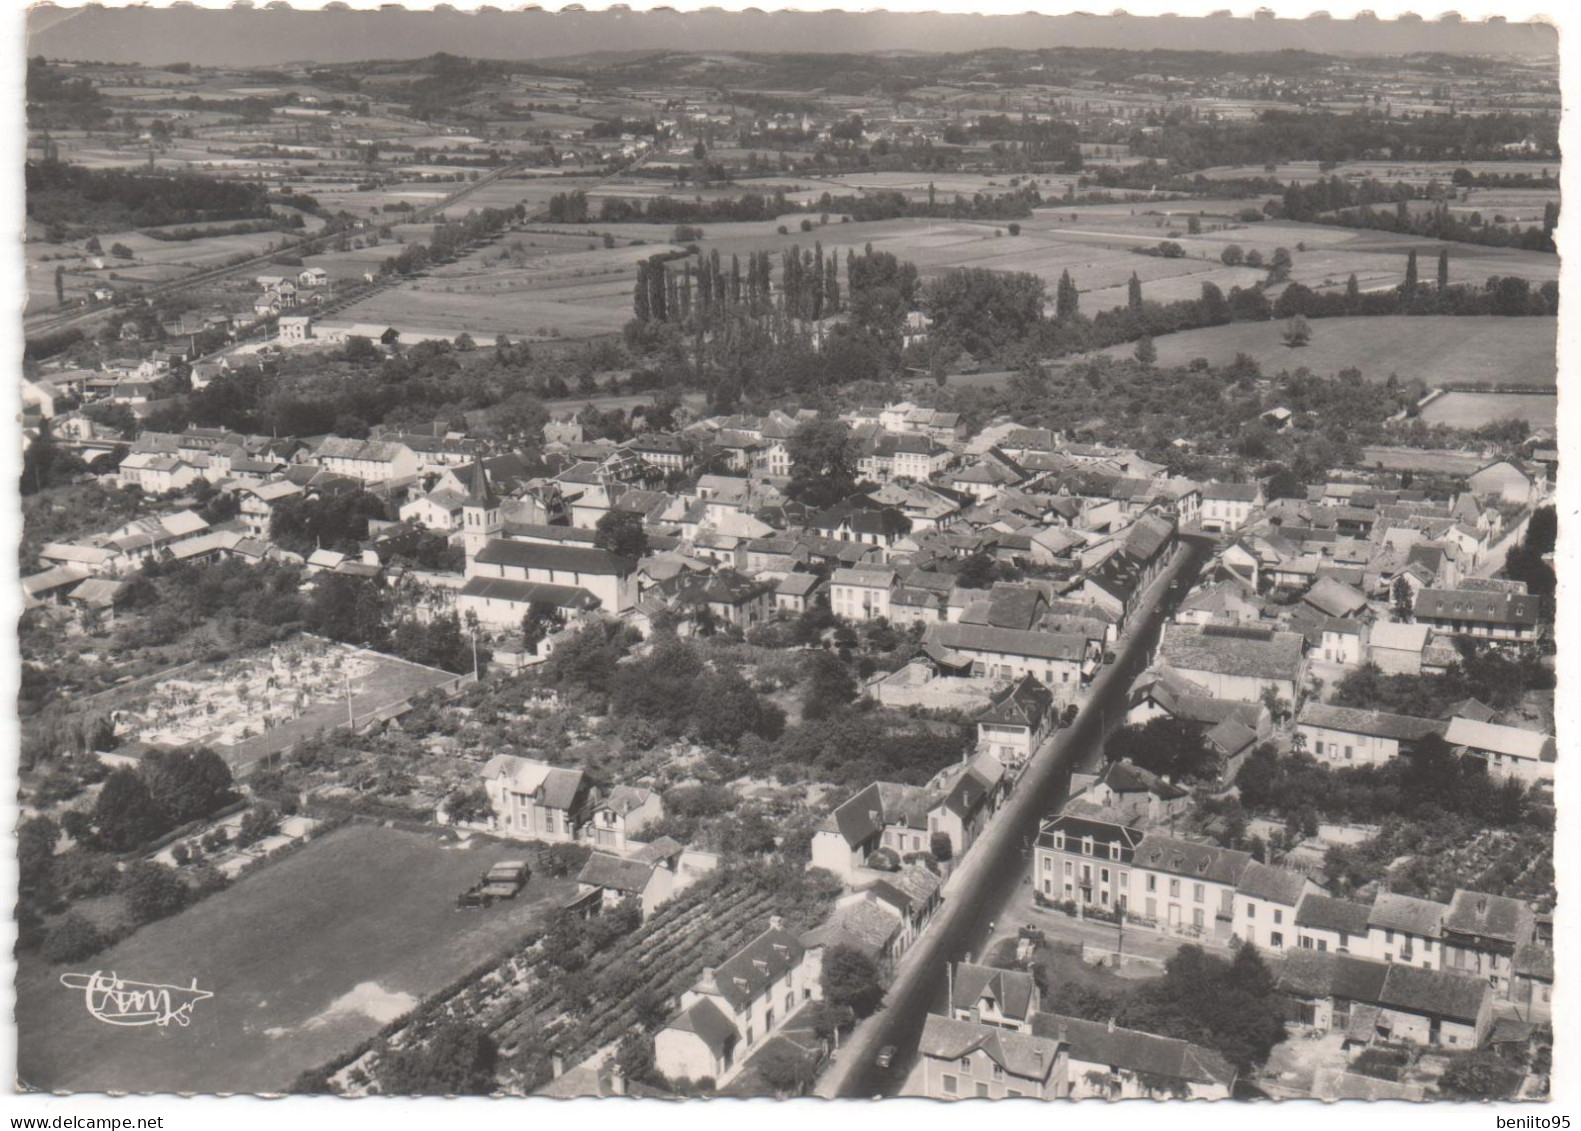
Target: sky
(261, 37)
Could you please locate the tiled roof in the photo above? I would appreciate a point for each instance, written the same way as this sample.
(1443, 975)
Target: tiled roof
(1490, 916)
(1195, 861)
(617, 873)
(1276, 885)
(756, 966)
(1324, 913)
(863, 924)
(1231, 650)
(1019, 1054)
(1027, 703)
(1381, 724)
(1437, 993)
(708, 1021)
(1008, 641)
(1013, 991)
(1421, 917)
(1476, 607)
(1094, 1042)
(535, 555)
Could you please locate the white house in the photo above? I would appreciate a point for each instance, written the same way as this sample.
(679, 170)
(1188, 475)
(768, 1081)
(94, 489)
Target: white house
(1349, 736)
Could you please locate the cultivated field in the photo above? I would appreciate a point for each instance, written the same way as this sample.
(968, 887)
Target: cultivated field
(305, 959)
(1508, 351)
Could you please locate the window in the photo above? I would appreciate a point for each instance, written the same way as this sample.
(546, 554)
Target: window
(1199, 893)
(966, 1064)
(1196, 918)
(1279, 916)
(1124, 876)
(790, 1001)
(982, 1091)
(1070, 867)
(1048, 864)
(949, 1085)
(1152, 882)
(1276, 940)
(1251, 910)
(1174, 889)
(1114, 851)
(749, 1036)
(999, 1072)
(1103, 875)
(1388, 936)
(1086, 846)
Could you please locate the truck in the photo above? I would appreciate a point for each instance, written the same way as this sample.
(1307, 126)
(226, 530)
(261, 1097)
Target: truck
(504, 880)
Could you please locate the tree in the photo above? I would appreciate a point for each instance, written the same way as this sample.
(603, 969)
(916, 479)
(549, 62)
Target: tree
(983, 311)
(1403, 599)
(1167, 746)
(1480, 1075)
(787, 1068)
(1233, 255)
(1133, 292)
(60, 286)
(1297, 332)
(1279, 265)
(152, 892)
(261, 822)
(1284, 484)
(187, 784)
(125, 814)
(1352, 292)
(469, 804)
(850, 979)
(829, 685)
(823, 458)
(458, 1059)
(120, 251)
(622, 534)
(1066, 298)
(941, 846)
(35, 856)
(1408, 288)
(1146, 351)
(1443, 269)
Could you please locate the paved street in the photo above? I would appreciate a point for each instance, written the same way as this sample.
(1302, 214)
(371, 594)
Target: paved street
(993, 869)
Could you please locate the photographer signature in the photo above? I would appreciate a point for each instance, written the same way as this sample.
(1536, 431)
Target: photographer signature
(116, 1001)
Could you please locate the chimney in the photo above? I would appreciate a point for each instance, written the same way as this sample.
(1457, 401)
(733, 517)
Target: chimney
(776, 922)
(1111, 1023)
(1064, 1033)
(557, 1065)
(617, 1079)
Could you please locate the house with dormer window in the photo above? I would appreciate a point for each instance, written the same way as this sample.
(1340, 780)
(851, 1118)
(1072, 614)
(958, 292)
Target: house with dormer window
(736, 1006)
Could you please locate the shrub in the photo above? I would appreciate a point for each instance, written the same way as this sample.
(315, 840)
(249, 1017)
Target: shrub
(73, 938)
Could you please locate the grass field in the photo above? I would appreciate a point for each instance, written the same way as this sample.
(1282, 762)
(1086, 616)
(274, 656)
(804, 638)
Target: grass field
(305, 959)
(1510, 351)
(1471, 410)
(1429, 460)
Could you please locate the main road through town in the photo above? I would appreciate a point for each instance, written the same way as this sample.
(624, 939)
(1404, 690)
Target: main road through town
(991, 872)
